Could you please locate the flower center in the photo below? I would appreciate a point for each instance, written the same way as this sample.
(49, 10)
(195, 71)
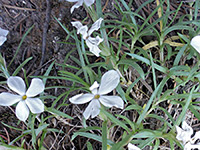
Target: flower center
(96, 96)
(87, 37)
(24, 97)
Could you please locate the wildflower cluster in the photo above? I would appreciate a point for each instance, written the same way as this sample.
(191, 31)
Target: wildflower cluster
(110, 84)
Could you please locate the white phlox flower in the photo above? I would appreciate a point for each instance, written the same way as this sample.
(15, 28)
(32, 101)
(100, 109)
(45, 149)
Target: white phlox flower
(91, 42)
(26, 99)
(184, 135)
(3, 34)
(190, 146)
(195, 42)
(80, 3)
(133, 147)
(109, 82)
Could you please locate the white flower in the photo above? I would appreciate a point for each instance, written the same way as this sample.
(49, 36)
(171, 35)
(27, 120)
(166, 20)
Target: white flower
(185, 134)
(25, 98)
(91, 42)
(109, 81)
(195, 42)
(79, 3)
(3, 34)
(132, 147)
(190, 146)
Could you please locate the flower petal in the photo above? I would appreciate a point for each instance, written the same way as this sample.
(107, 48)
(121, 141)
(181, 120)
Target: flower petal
(22, 111)
(195, 43)
(94, 87)
(110, 101)
(2, 40)
(83, 30)
(17, 84)
(132, 147)
(109, 81)
(7, 99)
(95, 41)
(92, 110)
(190, 146)
(93, 47)
(81, 98)
(95, 26)
(3, 32)
(88, 2)
(187, 128)
(35, 105)
(77, 24)
(77, 5)
(195, 137)
(36, 87)
(185, 133)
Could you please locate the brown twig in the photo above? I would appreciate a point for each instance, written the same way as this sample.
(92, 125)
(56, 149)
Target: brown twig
(45, 28)
(19, 8)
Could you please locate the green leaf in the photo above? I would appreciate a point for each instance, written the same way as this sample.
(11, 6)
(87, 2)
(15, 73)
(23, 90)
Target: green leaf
(89, 146)
(18, 48)
(91, 136)
(144, 113)
(21, 66)
(134, 65)
(160, 68)
(185, 108)
(179, 55)
(104, 135)
(123, 142)
(48, 72)
(59, 113)
(8, 147)
(115, 120)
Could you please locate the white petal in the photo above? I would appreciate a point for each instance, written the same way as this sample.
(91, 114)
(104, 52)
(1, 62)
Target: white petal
(88, 2)
(195, 137)
(190, 146)
(94, 87)
(110, 101)
(35, 105)
(7, 99)
(98, 40)
(77, 24)
(92, 110)
(81, 98)
(109, 81)
(93, 47)
(22, 111)
(185, 133)
(77, 5)
(83, 30)
(3, 32)
(80, 28)
(195, 42)
(187, 128)
(2, 40)
(95, 26)
(132, 147)
(17, 84)
(95, 41)
(36, 87)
